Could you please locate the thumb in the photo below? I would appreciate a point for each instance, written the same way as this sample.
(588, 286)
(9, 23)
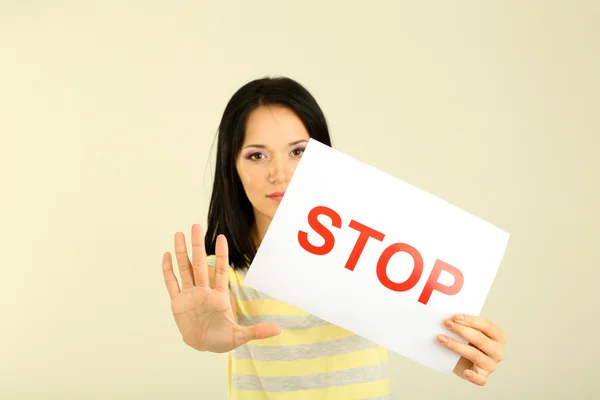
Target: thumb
(259, 331)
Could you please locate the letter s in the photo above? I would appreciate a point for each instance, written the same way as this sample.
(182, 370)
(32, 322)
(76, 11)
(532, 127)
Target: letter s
(314, 223)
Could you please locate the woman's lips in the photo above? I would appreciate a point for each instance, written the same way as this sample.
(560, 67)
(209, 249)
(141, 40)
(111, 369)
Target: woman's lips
(277, 196)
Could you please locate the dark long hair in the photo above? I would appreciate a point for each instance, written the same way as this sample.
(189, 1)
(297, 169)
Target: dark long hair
(230, 212)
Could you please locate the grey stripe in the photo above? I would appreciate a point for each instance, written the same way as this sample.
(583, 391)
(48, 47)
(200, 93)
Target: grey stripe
(311, 381)
(290, 322)
(303, 351)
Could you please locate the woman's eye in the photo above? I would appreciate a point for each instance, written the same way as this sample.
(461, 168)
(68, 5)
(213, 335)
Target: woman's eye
(298, 152)
(256, 156)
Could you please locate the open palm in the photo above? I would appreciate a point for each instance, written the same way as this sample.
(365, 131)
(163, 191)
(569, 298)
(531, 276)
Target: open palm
(203, 308)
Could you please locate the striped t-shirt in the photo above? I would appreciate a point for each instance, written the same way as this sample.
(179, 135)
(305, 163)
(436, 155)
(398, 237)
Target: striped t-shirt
(309, 359)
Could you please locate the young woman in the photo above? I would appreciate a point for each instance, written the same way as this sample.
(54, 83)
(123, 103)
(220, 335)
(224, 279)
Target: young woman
(276, 351)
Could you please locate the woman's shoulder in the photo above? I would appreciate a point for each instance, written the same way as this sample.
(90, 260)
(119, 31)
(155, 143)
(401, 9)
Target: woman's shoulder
(212, 262)
(235, 274)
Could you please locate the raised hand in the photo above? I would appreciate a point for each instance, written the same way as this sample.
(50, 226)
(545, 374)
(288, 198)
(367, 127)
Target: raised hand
(203, 308)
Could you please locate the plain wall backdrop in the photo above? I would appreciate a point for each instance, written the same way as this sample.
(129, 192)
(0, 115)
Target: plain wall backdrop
(108, 112)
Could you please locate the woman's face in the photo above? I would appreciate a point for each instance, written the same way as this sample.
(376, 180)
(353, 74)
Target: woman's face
(273, 145)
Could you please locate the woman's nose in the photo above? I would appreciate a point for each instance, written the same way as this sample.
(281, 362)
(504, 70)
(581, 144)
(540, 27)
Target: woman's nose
(277, 171)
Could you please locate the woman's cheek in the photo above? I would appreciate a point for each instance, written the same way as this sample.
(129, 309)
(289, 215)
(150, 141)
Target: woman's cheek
(252, 181)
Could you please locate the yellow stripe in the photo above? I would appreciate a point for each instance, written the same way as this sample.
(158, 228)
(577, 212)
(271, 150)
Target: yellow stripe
(357, 391)
(340, 362)
(304, 336)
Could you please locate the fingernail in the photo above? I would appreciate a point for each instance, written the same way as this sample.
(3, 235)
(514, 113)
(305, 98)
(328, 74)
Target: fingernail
(449, 323)
(459, 317)
(442, 339)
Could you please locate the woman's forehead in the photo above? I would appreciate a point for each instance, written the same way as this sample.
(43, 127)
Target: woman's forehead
(274, 125)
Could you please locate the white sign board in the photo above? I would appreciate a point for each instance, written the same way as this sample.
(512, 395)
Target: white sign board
(376, 256)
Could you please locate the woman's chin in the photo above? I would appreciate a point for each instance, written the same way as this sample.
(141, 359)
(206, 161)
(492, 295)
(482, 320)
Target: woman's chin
(266, 213)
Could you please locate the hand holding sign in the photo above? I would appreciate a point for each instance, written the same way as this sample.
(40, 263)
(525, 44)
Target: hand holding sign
(485, 349)
(345, 228)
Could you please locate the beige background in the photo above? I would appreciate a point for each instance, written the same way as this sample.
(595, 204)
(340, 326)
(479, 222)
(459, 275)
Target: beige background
(108, 111)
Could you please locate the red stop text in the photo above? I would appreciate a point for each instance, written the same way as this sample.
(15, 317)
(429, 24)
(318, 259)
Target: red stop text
(366, 233)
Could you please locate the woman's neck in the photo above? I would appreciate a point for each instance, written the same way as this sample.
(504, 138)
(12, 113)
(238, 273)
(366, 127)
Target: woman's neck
(259, 229)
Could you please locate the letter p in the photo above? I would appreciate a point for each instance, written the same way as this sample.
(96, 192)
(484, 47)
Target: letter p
(433, 284)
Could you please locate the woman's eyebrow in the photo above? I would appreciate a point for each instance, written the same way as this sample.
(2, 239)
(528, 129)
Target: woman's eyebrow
(298, 142)
(262, 146)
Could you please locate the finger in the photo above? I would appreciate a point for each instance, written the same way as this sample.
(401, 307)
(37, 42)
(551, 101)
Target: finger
(477, 339)
(483, 324)
(199, 260)
(471, 353)
(222, 264)
(169, 276)
(256, 332)
(474, 377)
(185, 267)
